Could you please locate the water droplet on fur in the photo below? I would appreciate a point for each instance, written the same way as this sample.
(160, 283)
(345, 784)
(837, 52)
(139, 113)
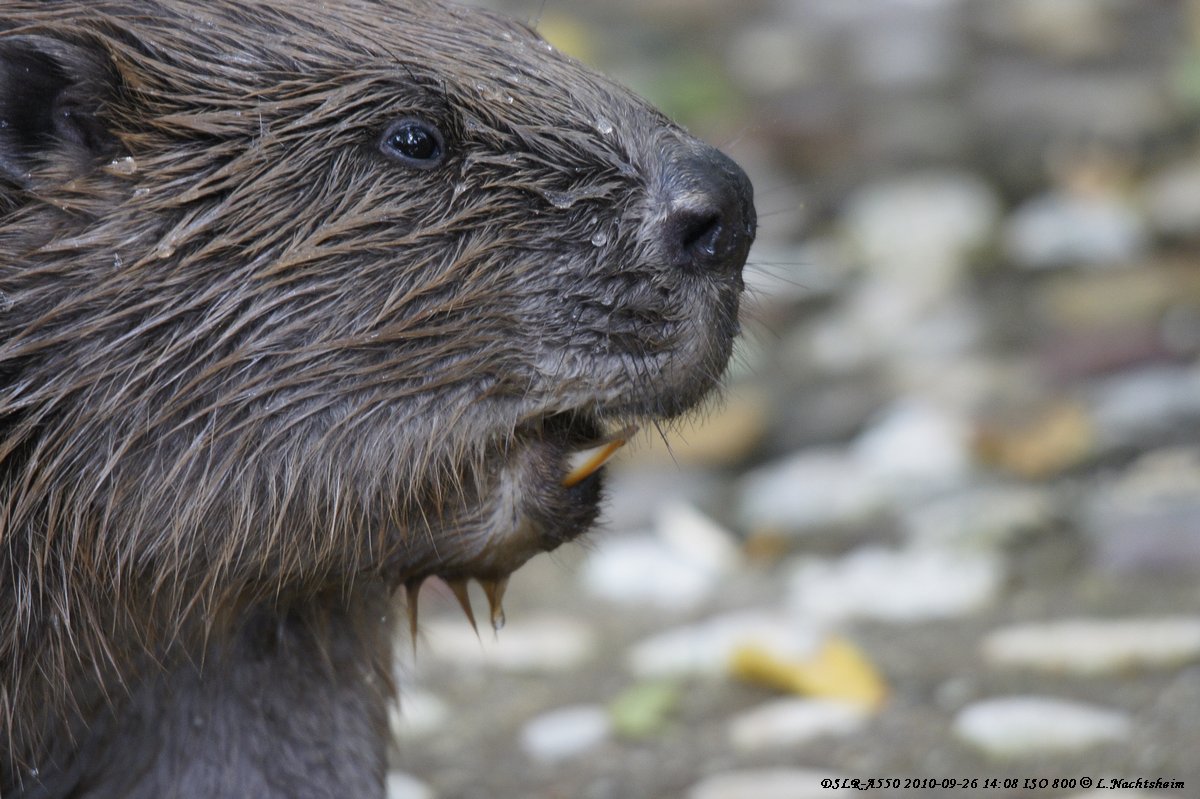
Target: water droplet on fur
(506, 36)
(165, 251)
(123, 166)
(494, 590)
(549, 48)
(560, 199)
(493, 94)
(603, 126)
(117, 262)
(142, 192)
(600, 238)
(458, 189)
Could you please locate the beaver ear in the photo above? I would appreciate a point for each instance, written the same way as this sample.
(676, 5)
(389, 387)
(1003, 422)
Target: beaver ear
(51, 93)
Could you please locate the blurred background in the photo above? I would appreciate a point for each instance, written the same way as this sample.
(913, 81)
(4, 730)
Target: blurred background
(945, 522)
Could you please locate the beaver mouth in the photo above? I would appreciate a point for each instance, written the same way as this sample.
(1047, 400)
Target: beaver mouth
(546, 491)
(573, 449)
(541, 481)
(587, 461)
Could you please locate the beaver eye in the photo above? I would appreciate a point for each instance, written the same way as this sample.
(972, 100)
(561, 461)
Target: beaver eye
(413, 142)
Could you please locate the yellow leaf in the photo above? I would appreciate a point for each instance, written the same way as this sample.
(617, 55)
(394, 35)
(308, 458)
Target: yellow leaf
(838, 670)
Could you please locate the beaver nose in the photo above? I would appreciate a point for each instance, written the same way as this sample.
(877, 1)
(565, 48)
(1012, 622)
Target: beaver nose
(710, 222)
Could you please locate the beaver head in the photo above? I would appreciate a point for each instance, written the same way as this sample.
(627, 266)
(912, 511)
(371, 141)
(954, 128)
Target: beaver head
(300, 294)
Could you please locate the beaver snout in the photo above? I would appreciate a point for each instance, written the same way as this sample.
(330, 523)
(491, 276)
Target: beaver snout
(710, 221)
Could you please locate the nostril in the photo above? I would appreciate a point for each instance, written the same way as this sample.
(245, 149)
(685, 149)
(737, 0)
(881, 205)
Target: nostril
(700, 233)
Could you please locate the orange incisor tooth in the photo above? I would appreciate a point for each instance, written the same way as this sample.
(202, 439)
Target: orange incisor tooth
(586, 462)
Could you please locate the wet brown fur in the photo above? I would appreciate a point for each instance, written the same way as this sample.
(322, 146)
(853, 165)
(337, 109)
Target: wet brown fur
(254, 375)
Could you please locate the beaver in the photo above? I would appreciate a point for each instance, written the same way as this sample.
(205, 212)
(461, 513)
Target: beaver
(301, 304)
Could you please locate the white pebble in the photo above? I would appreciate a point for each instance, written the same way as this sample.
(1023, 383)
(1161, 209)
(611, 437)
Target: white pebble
(778, 783)
(1096, 646)
(916, 447)
(820, 487)
(792, 722)
(636, 493)
(417, 714)
(406, 786)
(900, 586)
(1145, 403)
(885, 319)
(565, 732)
(771, 58)
(1031, 725)
(1163, 475)
(1159, 498)
(1065, 30)
(697, 538)
(923, 227)
(981, 518)
(901, 50)
(644, 570)
(1172, 199)
(705, 648)
(538, 644)
(1059, 229)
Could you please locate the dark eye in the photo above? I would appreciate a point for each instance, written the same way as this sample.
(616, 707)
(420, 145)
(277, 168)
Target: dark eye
(414, 143)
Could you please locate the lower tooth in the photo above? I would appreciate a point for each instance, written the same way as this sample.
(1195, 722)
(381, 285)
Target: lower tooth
(585, 463)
